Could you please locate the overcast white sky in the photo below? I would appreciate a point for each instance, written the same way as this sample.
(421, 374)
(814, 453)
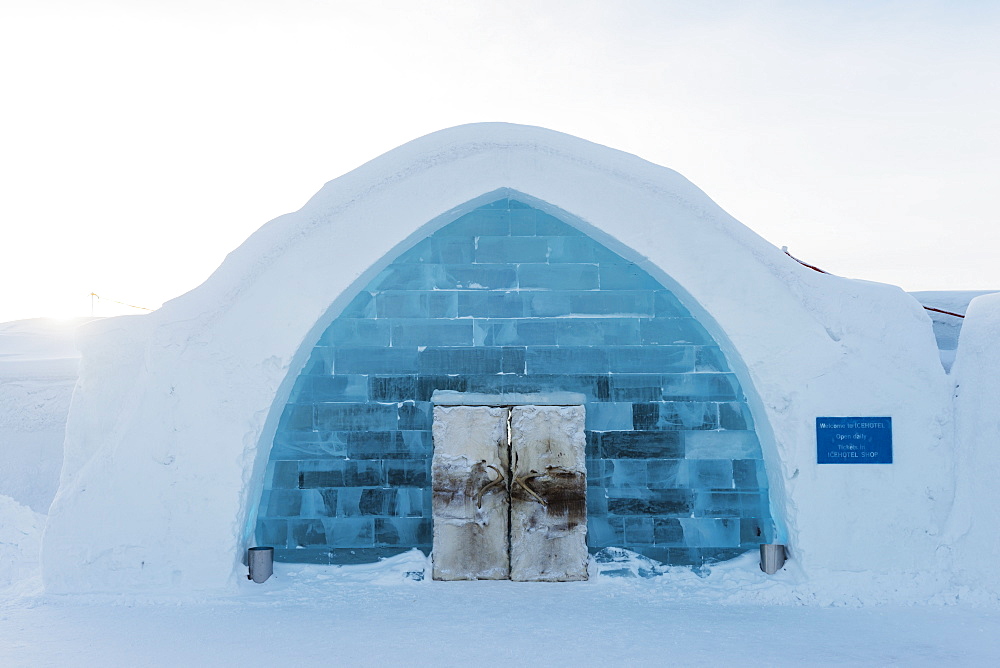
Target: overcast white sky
(141, 141)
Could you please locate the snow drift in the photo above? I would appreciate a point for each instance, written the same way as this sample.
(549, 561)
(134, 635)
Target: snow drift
(38, 369)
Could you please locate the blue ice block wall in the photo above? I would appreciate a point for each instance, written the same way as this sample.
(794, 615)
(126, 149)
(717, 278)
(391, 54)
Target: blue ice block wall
(511, 299)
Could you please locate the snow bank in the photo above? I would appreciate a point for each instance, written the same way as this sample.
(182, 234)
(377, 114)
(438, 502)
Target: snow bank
(20, 541)
(948, 327)
(973, 538)
(735, 582)
(38, 369)
(171, 423)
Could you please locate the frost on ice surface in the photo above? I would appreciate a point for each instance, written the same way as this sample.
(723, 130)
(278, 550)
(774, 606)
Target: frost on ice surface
(470, 525)
(548, 532)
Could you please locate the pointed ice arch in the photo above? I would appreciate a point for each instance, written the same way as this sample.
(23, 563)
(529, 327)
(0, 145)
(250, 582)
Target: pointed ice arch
(516, 298)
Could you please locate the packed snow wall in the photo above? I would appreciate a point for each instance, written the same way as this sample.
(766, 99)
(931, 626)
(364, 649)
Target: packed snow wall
(38, 369)
(175, 413)
(972, 539)
(510, 300)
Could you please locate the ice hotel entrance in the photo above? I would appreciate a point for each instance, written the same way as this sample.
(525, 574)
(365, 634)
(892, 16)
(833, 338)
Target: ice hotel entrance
(382, 446)
(290, 400)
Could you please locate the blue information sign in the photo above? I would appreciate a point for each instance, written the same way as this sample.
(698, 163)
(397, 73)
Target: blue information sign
(854, 440)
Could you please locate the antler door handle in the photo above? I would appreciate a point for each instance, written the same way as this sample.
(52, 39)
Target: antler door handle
(523, 482)
(493, 483)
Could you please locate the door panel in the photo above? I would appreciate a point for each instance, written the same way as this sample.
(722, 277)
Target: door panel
(548, 521)
(471, 502)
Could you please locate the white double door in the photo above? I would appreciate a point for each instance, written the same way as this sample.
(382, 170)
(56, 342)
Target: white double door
(510, 493)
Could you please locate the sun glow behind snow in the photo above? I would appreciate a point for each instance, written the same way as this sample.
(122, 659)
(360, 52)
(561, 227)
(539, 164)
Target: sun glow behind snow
(149, 141)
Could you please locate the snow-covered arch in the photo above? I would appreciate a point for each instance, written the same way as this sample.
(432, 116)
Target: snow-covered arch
(172, 418)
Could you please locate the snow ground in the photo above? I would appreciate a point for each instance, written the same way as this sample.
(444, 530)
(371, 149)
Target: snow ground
(376, 615)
